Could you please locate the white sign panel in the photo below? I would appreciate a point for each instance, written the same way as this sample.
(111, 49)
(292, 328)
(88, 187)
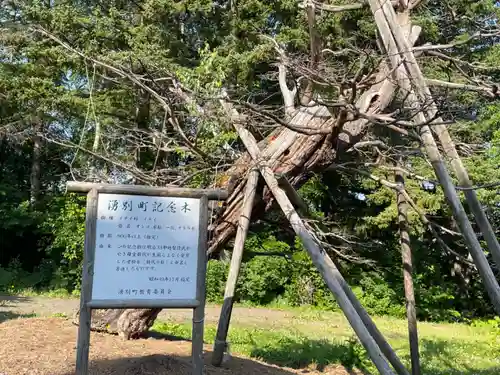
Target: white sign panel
(146, 248)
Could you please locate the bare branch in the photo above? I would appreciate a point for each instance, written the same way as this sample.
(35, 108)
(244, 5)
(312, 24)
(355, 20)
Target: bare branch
(338, 8)
(462, 86)
(375, 143)
(478, 35)
(288, 95)
(173, 121)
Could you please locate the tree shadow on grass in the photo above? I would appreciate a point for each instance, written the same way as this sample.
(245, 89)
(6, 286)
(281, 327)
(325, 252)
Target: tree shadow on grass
(8, 315)
(163, 336)
(301, 353)
(438, 357)
(441, 351)
(8, 302)
(176, 365)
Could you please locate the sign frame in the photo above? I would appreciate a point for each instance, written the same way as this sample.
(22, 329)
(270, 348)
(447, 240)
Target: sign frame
(86, 302)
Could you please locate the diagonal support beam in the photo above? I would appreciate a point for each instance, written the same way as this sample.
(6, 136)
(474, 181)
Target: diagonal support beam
(410, 80)
(220, 344)
(319, 257)
(365, 317)
(443, 134)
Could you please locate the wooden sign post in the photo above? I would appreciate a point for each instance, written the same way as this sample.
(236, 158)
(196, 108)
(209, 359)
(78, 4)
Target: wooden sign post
(145, 247)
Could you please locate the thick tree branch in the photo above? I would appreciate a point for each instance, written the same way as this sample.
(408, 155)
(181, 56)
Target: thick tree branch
(288, 95)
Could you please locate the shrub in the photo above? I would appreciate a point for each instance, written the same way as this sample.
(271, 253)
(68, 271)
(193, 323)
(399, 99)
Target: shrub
(263, 279)
(306, 285)
(67, 225)
(378, 297)
(216, 280)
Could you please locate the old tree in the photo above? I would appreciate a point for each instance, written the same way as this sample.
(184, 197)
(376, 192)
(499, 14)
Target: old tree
(340, 92)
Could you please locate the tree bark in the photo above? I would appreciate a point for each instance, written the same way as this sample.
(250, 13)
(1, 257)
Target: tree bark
(127, 323)
(36, 170)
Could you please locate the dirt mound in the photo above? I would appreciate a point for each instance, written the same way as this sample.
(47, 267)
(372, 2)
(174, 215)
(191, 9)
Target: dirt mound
(39, 346)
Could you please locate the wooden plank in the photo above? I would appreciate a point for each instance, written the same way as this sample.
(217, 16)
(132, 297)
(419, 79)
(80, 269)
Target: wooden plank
(385, 347)
(319, 257)
(84, 187)
(234, 269)
(199, 311)
(83, 341)
(143, 304)
(407, 275)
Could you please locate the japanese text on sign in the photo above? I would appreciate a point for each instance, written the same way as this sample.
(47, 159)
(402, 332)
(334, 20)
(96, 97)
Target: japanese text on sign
(146, 248)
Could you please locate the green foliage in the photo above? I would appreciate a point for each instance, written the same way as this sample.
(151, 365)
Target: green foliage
(216, 280)
(378, 297)
(306, 285)
(263, 279)
(15, 279)
(67, 226)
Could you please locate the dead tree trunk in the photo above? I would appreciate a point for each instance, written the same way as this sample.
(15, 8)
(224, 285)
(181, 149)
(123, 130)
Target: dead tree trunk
(289, 153)
(127, 323)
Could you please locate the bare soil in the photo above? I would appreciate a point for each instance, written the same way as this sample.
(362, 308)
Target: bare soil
(47, 345)
(47, 307)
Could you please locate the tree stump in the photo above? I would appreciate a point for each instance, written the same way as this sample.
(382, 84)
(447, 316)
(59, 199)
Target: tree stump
(127, 323)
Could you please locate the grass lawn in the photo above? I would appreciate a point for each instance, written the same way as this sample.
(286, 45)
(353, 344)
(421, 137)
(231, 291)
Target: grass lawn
(321, 338)
(309, 337)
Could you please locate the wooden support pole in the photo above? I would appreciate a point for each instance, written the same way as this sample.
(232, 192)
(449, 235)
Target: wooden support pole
(234, 269)
(470, 195)
(407, 275)
(319, 257)
(83, 340)
(446, 141)
(392, 36)
(199, 311)
(293, 196)
(386, 348)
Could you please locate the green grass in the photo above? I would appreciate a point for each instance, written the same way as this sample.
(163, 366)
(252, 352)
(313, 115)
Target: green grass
(52, 293)
(319, 339)
(312, 337)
